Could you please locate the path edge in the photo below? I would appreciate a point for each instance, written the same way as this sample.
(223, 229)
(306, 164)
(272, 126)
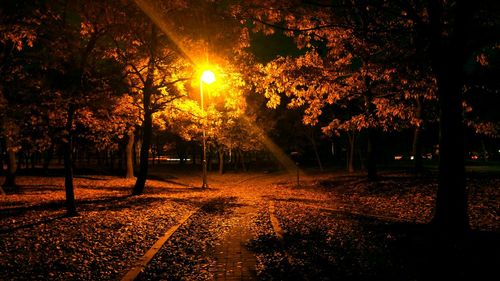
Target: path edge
(140, 264)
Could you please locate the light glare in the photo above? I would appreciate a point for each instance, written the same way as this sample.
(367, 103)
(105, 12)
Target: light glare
(208, 77)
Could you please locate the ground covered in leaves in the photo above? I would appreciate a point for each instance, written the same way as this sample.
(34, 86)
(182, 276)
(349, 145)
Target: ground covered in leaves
(335, 227)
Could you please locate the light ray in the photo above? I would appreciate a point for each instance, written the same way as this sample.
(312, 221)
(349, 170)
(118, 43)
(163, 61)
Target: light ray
(275, 150)
(164, 26)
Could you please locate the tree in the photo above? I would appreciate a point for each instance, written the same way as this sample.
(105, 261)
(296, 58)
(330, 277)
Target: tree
(448, 52)
(348, 62)
(447, 33)
(153, 68)
(18, 31)
(77, 68)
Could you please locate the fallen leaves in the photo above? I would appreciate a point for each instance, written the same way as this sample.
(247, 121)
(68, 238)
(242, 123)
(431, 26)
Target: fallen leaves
(333, 226)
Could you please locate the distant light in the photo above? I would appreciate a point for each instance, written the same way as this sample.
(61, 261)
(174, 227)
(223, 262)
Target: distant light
(412, 157)
(398, 157)
(208, 77)
(499, 151)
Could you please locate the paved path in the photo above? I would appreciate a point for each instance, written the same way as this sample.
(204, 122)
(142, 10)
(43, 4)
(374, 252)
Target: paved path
(233, 260)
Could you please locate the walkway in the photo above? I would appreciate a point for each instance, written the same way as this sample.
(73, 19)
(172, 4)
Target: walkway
(233, 260)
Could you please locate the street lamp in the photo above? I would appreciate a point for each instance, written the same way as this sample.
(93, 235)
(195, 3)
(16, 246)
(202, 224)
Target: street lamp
(207, 77)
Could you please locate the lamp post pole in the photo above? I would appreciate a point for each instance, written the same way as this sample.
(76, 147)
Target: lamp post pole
(204, 161)
(207, 77)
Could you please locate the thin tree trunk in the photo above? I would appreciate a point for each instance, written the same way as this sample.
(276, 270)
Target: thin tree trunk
(371, 158)
(137, 148)
(485, 151)
(242, 159)
(2, 192)
(111, 160)
(371, 162)
(417, 150)
(153, 156)
(48, 157)
(417, 137)
(10, 177)
(193, 154)
(68, 164)
(2, 146)
(209, 159)
(236, 163)
(351, 149)
(315, 148)
(33, 160)
(221, 161)
(129, 151)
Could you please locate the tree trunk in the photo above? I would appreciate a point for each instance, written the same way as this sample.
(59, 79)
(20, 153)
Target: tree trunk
(137, 148)
(371, 158)
(221, 161)
(242, 159)
(48, 158)
(350, 157)
(193, 154)
(153, 155)
(147, 129)
(315, 148)
(147, 124)
(10, 177)
(209, 160)
(448, 58)
(68, 164)
(129, 151)
(485, 151)
(451, 201)
(417, 137)
(111, 160)
(33, 160)
(2, 146)
(371, 162)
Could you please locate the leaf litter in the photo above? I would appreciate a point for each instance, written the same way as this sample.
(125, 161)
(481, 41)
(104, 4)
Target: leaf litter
(334, 227)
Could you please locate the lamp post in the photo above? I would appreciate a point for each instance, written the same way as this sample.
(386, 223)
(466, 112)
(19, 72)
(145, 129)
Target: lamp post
(208, 77)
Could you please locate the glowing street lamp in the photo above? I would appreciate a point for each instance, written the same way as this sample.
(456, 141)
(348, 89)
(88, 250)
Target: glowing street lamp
(207, 77)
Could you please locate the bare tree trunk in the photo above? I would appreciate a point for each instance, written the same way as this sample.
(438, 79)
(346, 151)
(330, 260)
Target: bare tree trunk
(10, 177)
(221, 161)
(371, 162)
(2, 149)
(193, 154)
(371, 157)
(352, 146)
(485, 151)
(209, 159)
(48, 158)
(33, 160)
(315, 148)
(236, 163)
(137, 149)
(242, 159)
(153, 156)
(417, 137)
(68, 164)
(129, 152)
